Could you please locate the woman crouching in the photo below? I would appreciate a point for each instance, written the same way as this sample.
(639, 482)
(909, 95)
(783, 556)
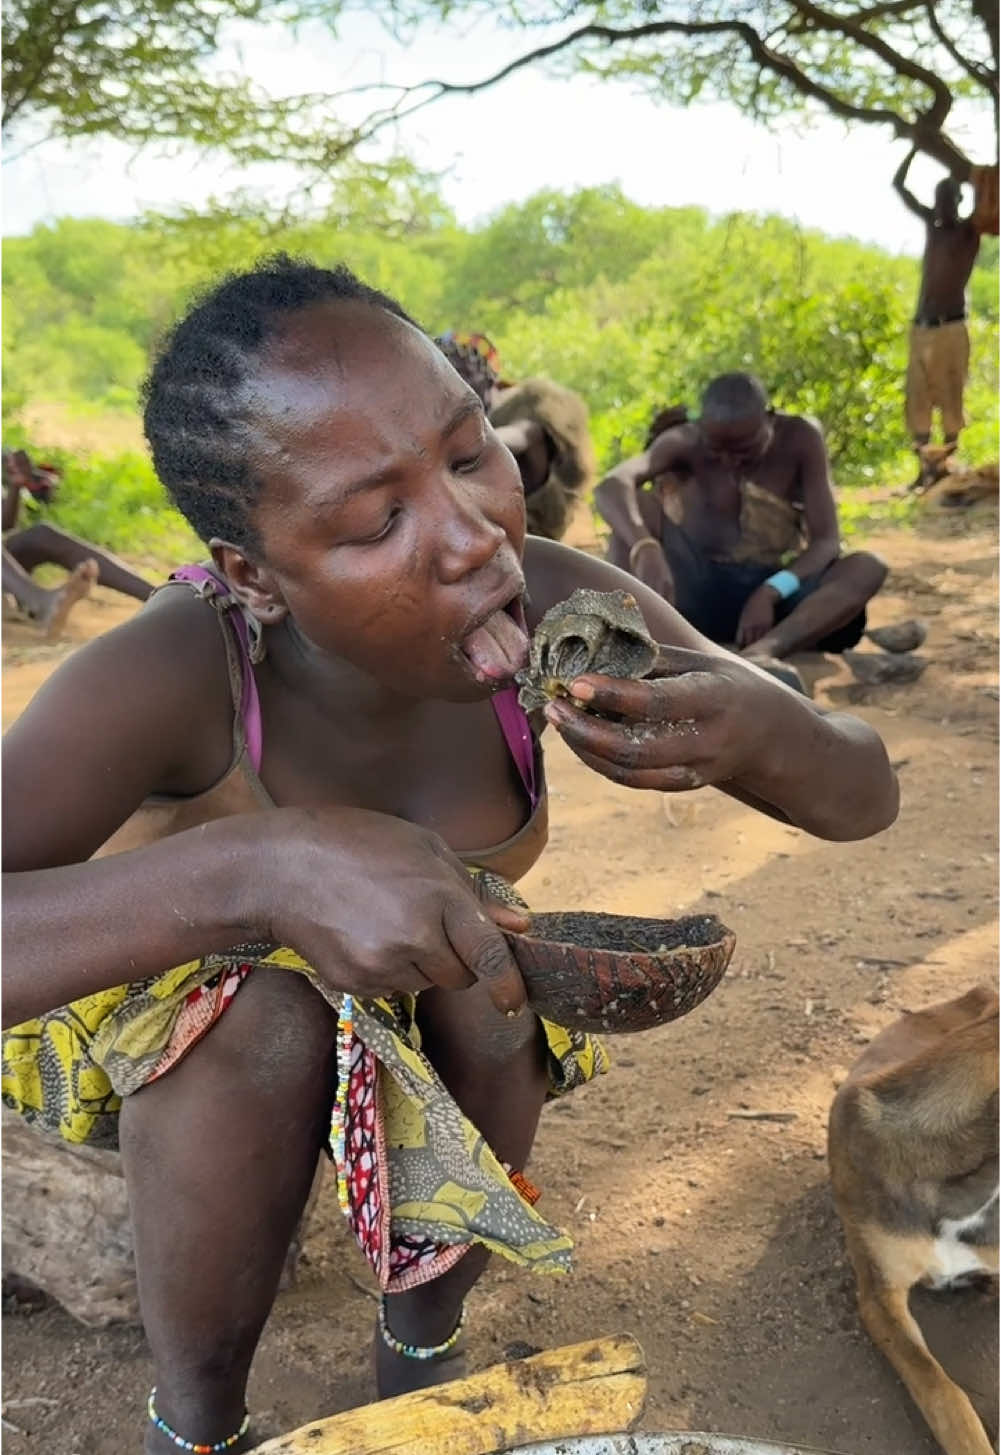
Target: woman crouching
(308, 744)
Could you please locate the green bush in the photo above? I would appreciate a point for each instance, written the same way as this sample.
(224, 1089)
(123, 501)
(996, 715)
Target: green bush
(115, 501)
(633, 307)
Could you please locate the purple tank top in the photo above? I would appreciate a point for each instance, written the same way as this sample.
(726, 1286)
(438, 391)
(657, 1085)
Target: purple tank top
(511, 716)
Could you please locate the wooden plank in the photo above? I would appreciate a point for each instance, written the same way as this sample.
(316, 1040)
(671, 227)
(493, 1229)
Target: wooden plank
(594, 1388)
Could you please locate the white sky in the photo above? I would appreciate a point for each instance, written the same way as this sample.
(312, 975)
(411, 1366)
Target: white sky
(531, 131)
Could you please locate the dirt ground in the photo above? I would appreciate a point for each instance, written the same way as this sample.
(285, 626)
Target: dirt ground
(710, 1237)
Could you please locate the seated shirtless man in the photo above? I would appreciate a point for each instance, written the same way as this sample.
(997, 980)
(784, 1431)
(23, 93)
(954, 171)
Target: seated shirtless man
(740, 531)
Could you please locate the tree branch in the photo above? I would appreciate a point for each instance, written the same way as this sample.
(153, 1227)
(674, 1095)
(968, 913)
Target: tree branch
(923, 133)
(61, 28)
(873, 12)
(980, 74)
(852, 29)
(987, 13)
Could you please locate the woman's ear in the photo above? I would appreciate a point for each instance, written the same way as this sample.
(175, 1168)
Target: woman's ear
(253, 585)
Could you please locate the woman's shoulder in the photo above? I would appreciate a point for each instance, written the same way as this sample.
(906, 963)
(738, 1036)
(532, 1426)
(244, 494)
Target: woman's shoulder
(152, 677)
(177, 635)
(554, 570)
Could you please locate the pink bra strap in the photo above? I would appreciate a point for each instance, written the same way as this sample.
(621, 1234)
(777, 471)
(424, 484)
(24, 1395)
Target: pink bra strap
(518, 736)
(250, 703)
(510, 715)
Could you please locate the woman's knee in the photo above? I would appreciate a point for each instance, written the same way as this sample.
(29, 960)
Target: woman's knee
(466, 1027)
(273, 1053)
(279, 1031)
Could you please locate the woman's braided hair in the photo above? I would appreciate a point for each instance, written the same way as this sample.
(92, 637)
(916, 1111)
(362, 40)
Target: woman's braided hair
(196, 411)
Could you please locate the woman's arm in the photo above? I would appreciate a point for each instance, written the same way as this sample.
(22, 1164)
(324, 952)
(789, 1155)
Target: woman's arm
(112, 726)
(80, 928)
(146, 709)
(714, 718)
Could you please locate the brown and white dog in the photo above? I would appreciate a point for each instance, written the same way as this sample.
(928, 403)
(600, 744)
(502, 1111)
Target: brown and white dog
(913, 1152)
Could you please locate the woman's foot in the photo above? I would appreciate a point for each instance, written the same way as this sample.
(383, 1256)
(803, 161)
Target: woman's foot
(396, 1374)
(62, 601)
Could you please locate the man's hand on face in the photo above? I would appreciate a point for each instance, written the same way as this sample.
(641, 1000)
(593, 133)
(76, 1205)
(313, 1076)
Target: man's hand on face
(757, 617)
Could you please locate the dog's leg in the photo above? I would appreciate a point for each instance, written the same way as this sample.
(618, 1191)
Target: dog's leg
(893, 1329)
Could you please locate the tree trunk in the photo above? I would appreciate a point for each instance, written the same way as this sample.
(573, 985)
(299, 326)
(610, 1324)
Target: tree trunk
(67, 1229)
(66, 1225)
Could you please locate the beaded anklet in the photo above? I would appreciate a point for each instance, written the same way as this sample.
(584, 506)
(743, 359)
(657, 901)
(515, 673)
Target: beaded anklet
(418, 1351)
(182, 1444)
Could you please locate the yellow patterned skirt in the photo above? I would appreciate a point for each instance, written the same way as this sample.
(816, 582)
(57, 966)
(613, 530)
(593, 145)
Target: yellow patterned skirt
(419, 1184)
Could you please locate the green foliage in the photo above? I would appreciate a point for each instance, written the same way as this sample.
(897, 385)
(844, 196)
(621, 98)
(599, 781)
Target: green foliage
(635, 308)
(823, 323)
(114, 501)
(147, 72)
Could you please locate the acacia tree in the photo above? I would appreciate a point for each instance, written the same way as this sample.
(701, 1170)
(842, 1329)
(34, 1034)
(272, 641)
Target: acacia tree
(147, 72)
(899, 64)
(141, 70)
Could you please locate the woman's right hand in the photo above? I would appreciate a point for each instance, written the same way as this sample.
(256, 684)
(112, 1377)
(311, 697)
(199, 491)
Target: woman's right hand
(378, 906)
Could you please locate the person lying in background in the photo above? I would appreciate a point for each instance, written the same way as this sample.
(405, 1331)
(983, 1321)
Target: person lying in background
(740, 532)
(544, 425)
(44, 544)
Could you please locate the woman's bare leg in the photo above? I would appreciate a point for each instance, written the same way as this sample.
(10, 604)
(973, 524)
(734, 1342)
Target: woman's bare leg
(45, 544)
(495, 1068)
(50, 608)
(219, 1158)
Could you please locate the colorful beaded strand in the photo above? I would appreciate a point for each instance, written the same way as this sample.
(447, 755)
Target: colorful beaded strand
(345, 1040)
(418, 1351)
(161, 1424)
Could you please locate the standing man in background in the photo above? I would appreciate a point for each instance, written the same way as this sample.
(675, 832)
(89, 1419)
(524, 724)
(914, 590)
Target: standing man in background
(939, 356)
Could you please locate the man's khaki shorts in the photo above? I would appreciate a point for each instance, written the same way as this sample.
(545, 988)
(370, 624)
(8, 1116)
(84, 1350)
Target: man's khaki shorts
(936, 376)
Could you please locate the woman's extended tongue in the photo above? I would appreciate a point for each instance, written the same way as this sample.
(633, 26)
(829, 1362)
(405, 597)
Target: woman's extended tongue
(497, 649)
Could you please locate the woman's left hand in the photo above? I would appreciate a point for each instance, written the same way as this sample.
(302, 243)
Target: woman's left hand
(697, 719)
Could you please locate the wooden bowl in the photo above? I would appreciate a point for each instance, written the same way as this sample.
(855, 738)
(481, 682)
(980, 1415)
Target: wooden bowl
(615, 973)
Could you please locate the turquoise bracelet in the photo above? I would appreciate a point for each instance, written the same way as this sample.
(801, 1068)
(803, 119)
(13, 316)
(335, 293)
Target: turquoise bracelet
(786, 583)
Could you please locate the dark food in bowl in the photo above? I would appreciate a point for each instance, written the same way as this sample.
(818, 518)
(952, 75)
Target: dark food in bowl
(616, 973)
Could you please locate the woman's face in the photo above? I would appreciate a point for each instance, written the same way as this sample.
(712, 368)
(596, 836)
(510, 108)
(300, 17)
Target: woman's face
(391, 517)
